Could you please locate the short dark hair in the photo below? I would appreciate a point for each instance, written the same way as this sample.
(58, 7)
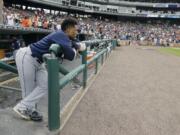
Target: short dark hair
(69, 22)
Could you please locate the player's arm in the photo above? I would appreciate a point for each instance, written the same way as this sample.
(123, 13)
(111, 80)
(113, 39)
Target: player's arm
(68, 51)
(79, 46)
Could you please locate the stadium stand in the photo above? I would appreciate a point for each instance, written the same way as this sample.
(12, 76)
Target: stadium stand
(98, 28)
(151, 29)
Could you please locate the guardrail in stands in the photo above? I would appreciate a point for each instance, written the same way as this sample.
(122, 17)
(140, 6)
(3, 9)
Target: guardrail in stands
(24, 29)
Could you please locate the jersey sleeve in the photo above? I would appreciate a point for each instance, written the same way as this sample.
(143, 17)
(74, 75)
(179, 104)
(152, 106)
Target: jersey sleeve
(65, 43)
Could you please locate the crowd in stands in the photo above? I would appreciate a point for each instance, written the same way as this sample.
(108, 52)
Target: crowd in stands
(159, 33)
(28, 18)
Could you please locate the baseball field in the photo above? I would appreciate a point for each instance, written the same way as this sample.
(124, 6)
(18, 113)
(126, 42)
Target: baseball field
(169, 50)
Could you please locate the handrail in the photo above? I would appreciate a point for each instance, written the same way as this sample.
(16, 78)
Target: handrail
(8, 67)
(56, 83)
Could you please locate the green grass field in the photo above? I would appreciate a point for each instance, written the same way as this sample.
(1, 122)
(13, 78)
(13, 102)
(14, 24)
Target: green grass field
(174, 51)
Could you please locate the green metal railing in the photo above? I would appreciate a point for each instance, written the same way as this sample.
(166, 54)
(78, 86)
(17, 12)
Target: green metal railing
(56, 83)
(7, 67)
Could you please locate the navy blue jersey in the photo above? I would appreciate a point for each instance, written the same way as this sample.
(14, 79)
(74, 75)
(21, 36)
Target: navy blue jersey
(59, 37)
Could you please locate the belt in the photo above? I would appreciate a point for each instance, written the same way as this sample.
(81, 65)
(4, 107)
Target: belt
(37, 59)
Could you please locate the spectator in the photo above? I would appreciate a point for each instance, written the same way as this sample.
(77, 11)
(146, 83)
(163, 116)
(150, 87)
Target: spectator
(10, 19)
(26, 22)
(45, 24)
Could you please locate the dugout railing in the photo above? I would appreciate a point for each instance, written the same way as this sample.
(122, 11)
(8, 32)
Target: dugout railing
(56, 82)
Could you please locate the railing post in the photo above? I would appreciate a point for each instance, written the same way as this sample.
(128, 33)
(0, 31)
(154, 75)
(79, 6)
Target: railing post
(84, 61)
(53, 94)
(102, 59)
(114, 43)
(106, 54)
(96, 70)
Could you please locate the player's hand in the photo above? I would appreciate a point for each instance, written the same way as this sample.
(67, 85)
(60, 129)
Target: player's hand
(82, 47)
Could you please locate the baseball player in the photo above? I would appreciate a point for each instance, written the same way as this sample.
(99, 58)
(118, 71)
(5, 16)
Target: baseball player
(32, 71)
